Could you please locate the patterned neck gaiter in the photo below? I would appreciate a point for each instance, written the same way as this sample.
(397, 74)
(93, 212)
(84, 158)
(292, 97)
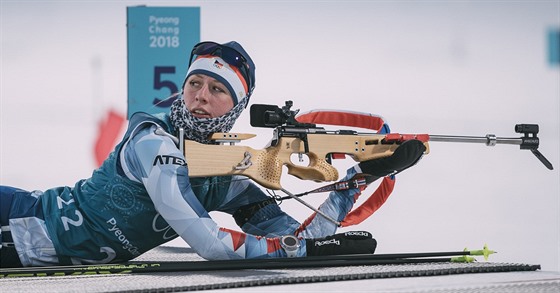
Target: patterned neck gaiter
(199, 129)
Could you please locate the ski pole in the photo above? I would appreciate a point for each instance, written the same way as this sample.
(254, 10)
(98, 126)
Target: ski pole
(272, 263)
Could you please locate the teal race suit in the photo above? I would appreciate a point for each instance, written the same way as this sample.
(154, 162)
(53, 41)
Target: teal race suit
(142, 197)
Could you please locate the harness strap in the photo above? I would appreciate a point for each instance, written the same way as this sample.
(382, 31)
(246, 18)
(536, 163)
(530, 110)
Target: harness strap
(358, 181)
(362, 120)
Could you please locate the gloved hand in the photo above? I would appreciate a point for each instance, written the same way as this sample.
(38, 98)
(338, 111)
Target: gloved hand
(354, 242)
(404, 157)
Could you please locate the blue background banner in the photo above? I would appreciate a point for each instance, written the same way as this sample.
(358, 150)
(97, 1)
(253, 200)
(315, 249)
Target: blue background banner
(159, 44)
(554, 46)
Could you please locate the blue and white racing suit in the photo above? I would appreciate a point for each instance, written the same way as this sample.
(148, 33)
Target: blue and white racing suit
(142, 197)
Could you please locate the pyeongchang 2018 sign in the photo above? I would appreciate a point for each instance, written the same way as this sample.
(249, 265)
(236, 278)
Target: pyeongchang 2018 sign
(159, 41)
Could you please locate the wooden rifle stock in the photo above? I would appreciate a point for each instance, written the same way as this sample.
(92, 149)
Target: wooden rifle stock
(265, 165)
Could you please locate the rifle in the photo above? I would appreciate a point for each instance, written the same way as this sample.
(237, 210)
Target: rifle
(292, 137)
(320, 145)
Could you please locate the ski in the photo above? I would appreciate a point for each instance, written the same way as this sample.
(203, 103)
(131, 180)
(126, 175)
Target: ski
(244, 264)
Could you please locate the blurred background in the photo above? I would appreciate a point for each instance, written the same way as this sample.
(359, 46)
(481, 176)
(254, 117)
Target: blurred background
(437, 67)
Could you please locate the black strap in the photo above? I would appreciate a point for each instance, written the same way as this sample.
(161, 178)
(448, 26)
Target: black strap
(246, 212)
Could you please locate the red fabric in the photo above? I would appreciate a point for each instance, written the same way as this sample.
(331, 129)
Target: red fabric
(354, 119)
(108, 132)
(370, 205)
(396, 137)
(305, 224)
(362, 120)
(237, 238)
(273, 244)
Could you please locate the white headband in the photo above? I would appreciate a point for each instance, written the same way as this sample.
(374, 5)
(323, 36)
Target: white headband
(217, 68)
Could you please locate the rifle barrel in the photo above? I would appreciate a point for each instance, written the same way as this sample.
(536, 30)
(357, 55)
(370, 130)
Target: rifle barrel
(489, 139)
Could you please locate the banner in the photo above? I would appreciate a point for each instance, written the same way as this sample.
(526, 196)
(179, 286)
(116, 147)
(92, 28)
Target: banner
(554, 46)
(159, 41)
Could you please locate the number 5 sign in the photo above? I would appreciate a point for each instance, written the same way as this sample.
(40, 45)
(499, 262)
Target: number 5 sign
(159, 43)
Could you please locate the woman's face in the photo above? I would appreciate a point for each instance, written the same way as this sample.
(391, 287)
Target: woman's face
(205, 97)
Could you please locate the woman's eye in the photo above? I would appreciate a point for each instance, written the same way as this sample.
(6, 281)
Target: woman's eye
(219, 89)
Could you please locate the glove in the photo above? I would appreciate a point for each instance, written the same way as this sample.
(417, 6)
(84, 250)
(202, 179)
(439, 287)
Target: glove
(404, 157)
(354, 242)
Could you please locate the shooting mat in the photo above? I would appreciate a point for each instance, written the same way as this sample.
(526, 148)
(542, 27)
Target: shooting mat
(208, 280)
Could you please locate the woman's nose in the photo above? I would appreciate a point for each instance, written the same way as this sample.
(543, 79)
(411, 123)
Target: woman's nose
(203, 94)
